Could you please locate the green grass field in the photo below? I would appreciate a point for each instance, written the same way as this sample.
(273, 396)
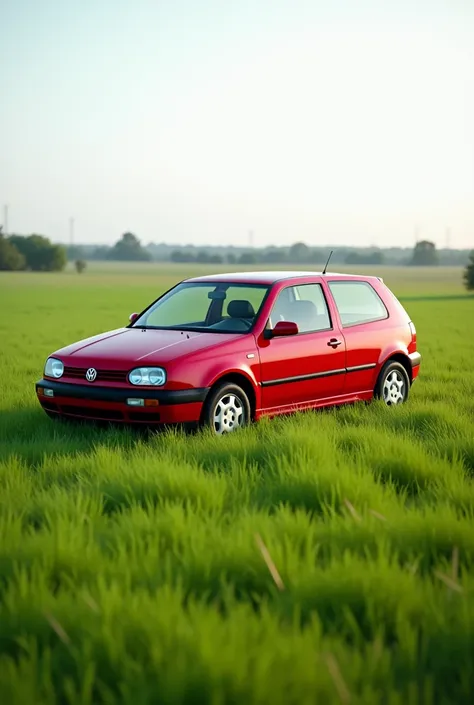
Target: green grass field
(140, 569)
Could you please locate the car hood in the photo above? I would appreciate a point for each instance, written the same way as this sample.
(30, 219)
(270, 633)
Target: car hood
(136, 345)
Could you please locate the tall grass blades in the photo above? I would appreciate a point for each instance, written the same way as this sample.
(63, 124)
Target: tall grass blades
(326, 557)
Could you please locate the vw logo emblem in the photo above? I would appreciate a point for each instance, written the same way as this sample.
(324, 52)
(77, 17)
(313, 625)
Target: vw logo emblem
(91, 374)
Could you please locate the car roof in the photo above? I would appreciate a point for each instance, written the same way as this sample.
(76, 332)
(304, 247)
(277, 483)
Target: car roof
(269, 277)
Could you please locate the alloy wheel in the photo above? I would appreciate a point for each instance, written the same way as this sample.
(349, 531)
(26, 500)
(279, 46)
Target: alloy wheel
(228, 414)
(394, 388)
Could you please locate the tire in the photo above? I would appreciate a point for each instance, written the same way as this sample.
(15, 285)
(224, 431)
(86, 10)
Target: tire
(393, 384)
(226, 409)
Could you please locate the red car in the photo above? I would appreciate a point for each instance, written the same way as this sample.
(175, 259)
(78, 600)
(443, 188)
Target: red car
(223, 350)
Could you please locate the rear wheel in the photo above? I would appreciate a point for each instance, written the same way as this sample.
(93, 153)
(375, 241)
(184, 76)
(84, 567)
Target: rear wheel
(226, 409)
(393, 384)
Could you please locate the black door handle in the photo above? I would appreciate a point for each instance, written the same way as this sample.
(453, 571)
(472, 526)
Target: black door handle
(334, 343)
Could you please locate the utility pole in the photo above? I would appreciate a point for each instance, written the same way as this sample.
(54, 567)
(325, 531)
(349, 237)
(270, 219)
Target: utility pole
(448, 238)
(5, 219)
(251, 238)
(71, 231)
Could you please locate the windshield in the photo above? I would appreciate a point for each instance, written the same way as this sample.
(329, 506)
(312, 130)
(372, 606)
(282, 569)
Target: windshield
(221, 307)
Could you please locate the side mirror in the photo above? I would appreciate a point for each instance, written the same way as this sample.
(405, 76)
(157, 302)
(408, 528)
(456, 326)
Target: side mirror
(282, 329)
(133, 317)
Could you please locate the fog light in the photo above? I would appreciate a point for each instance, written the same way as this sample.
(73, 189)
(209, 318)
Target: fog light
(48, 393)
(136, 402)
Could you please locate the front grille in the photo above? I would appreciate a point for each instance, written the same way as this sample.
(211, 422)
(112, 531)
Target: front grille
(102, 375)
(108, 414)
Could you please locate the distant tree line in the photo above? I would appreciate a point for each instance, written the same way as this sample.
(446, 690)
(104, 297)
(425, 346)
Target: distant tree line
(129, 248)
(32, 252)
(37, 253)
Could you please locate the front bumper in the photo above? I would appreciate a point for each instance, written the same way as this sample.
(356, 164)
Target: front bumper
(110, 403)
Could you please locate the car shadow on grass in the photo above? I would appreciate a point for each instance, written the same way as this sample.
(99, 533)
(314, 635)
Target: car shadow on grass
(29, 435)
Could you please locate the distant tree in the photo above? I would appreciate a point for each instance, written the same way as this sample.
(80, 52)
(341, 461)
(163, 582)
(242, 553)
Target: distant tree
(74, 252)
(11, 259)
(175, 256)
(80, 265)
(377, 257)
(247, 258)
(100, 253)
(453, 258)
(424, 254)
(182, 256)
(202, 257)
(364, 257)
(299, 252)
(274, 255)
(318, 255)
(129, 249)
(205, 257)
(231, 258)
(352, 257)
(469, 273)
(40, 253)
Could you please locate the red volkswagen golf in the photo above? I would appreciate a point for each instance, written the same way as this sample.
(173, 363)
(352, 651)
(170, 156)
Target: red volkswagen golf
(223, 350)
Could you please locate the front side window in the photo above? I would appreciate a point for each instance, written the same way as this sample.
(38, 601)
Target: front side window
(211, 307)
(357, 302)
(304, 305)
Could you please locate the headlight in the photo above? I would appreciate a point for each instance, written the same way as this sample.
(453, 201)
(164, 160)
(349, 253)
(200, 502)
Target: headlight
(154, 376)
(53, 368)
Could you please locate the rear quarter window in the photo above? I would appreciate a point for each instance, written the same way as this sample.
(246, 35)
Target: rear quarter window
(357, 302)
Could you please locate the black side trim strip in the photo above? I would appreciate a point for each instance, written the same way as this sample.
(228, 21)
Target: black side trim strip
(415, 359)
(303, 378)
(316, 375)
(359, 368)
(120, 394)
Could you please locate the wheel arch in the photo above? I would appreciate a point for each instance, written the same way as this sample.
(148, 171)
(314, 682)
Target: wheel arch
(403, 359)
(243, 381)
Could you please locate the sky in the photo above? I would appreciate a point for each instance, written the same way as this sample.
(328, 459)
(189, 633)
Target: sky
(200, 121)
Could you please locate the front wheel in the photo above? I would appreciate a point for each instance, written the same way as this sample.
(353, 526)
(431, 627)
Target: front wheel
(393, 384)
(226, 409)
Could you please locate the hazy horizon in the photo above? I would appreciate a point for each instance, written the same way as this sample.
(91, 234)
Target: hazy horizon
(191, 122)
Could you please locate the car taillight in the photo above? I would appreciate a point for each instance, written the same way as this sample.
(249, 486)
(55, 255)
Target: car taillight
(413, 330)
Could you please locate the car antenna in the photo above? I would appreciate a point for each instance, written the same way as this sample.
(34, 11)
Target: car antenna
(326, 265)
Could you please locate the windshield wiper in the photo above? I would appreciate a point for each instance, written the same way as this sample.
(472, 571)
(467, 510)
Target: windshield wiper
(183, 329)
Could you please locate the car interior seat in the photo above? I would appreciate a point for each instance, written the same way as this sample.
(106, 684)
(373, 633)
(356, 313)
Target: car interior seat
(240, 308)
(239, 319)
(304, 314)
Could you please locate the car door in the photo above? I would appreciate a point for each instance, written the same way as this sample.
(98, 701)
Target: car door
(362, 315)
(304, 368)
